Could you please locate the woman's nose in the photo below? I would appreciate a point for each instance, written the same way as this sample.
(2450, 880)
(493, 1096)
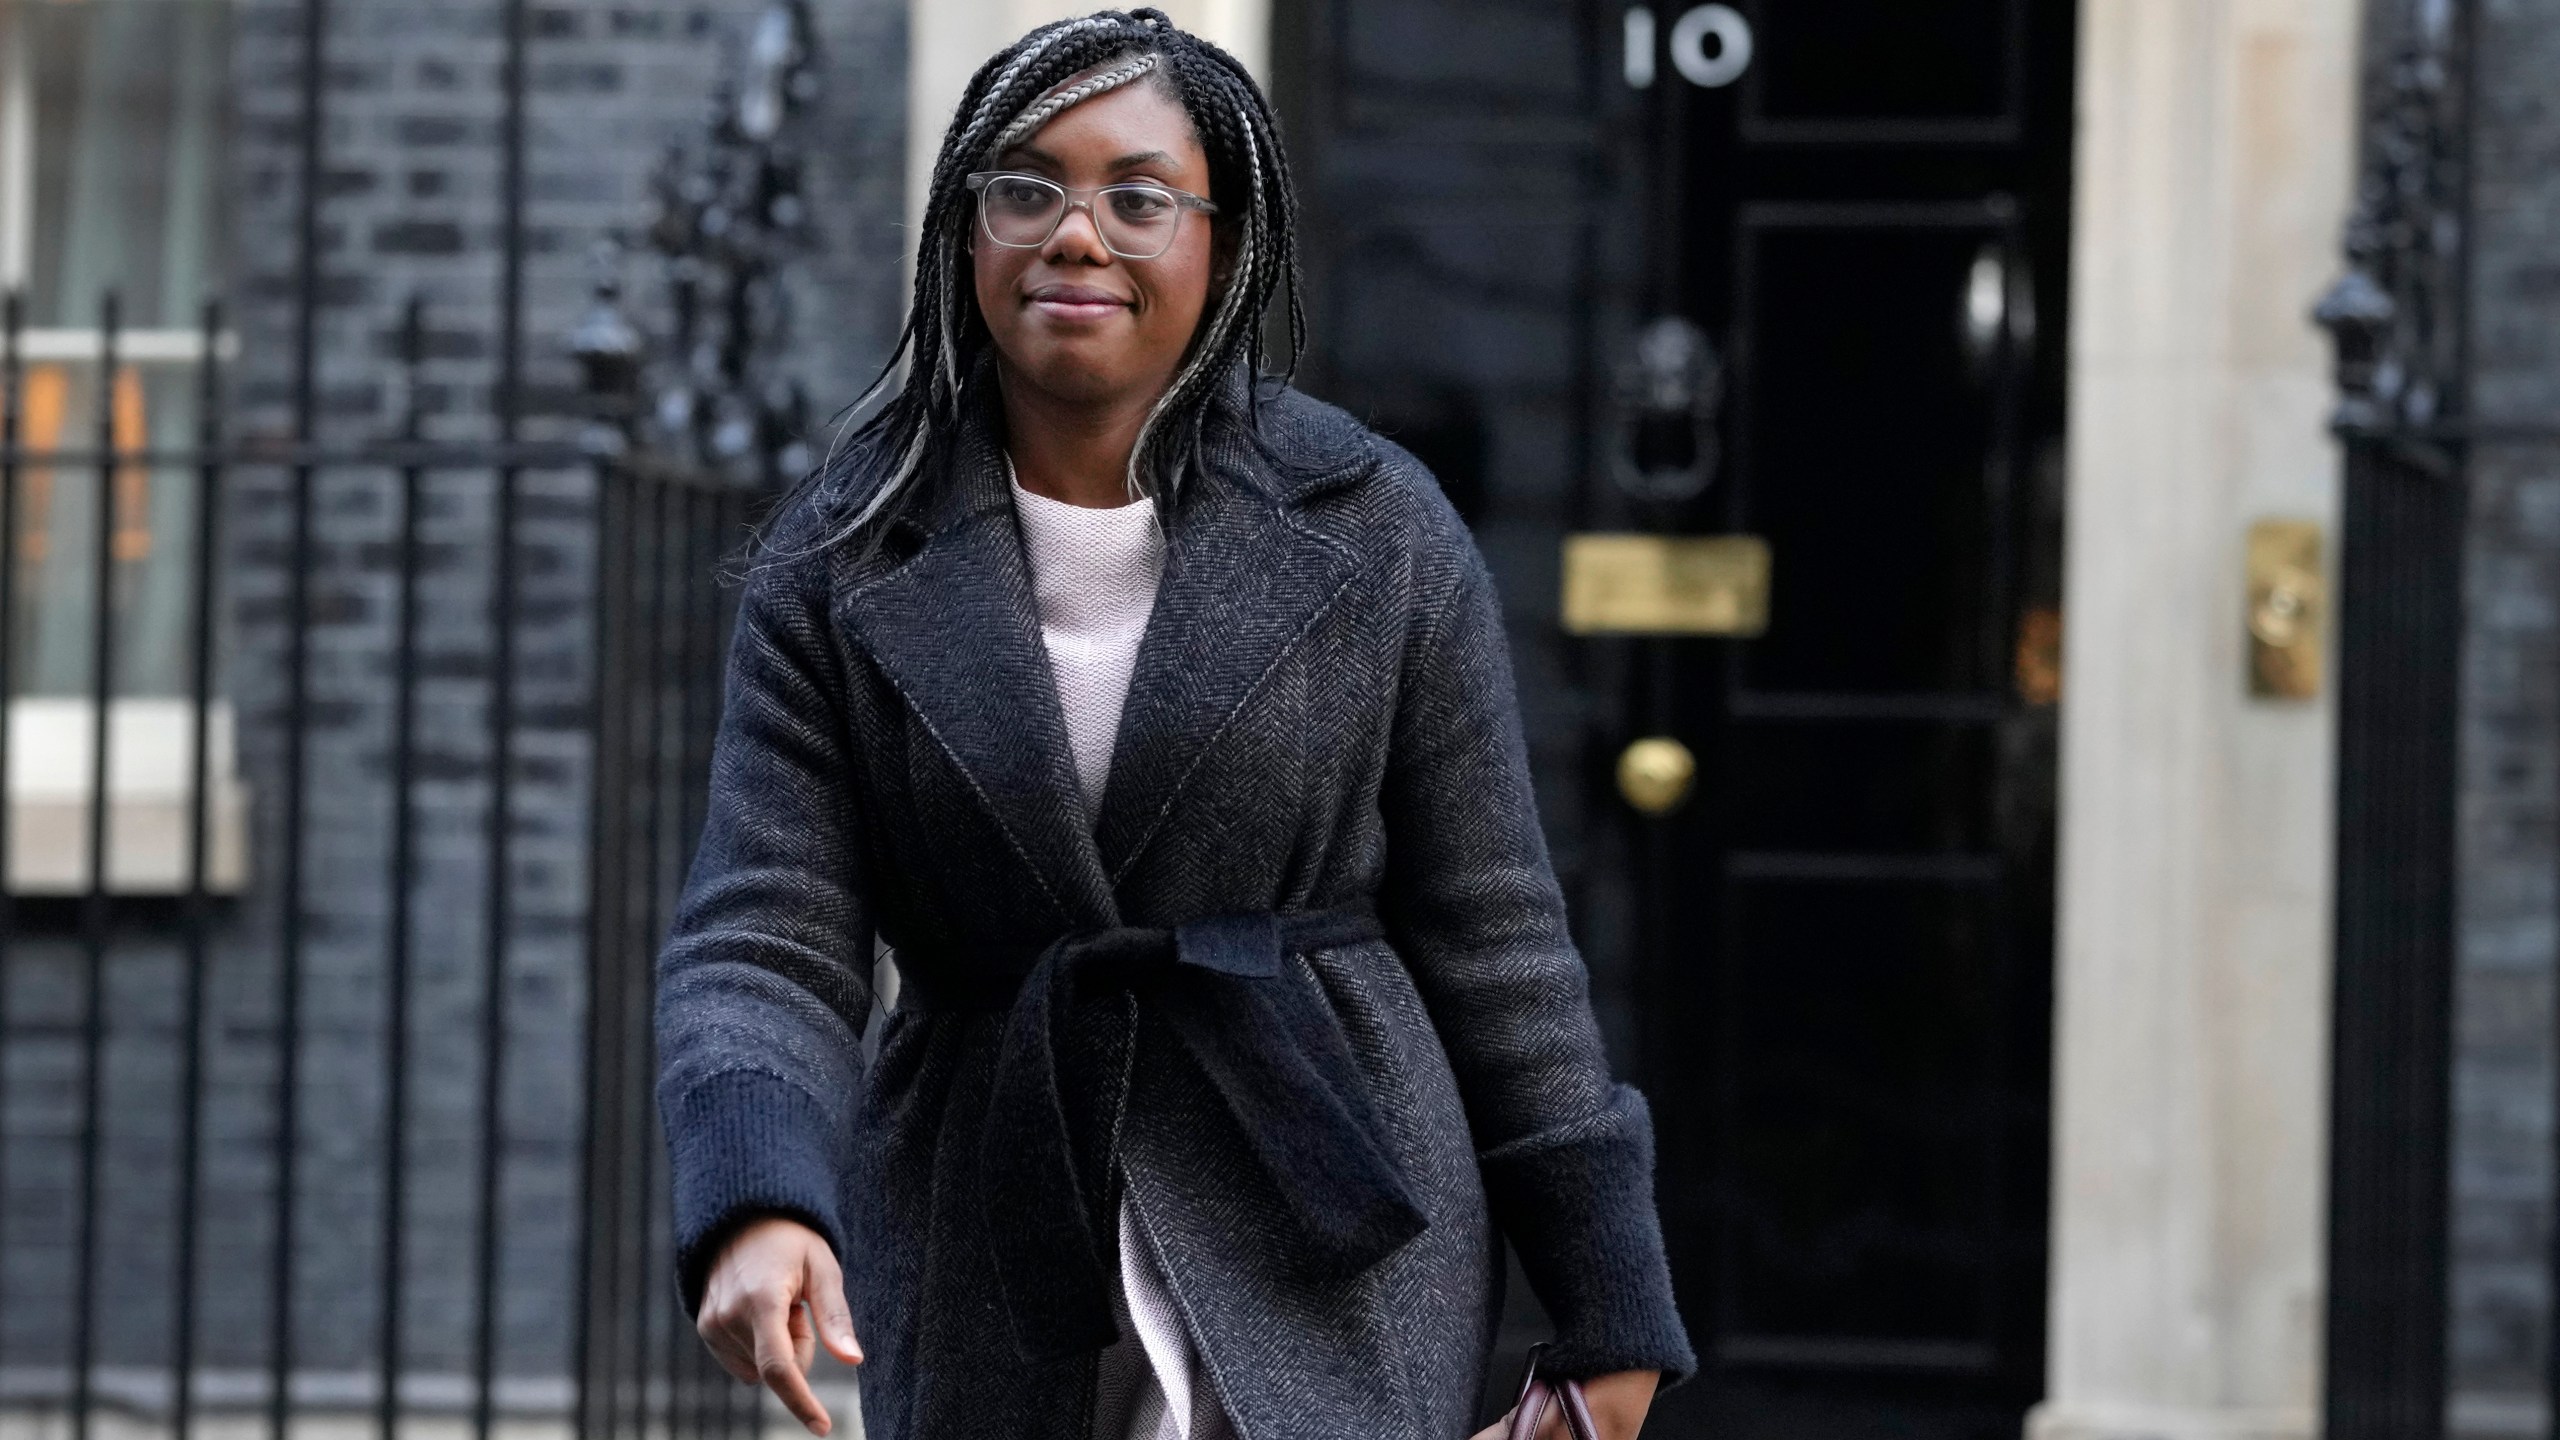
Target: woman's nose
(1077, 239)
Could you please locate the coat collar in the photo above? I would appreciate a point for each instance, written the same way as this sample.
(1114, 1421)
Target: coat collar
(955, 627)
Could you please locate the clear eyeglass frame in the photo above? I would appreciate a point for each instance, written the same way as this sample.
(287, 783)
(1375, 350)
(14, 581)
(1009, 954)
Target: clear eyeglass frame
(1066, 201)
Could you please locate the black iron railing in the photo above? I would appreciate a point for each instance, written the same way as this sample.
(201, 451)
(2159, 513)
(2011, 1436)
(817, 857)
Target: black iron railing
(2398, 319)
(590, 655)
(328, 915)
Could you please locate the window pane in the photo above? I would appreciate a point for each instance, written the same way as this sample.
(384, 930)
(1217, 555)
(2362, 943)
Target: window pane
(125, 119)
(55, 615)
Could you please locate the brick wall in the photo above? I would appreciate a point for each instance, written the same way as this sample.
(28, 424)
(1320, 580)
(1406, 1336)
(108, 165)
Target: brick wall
(2510, 836)
(412, 176)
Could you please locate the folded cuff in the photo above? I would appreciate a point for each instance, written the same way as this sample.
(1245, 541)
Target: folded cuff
(1577, 1202)
(744, 1145)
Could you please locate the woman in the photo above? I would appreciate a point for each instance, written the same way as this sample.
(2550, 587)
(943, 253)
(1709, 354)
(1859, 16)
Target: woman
(1160, 720)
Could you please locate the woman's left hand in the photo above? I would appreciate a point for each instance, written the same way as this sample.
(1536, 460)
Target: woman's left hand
(1618, 1406)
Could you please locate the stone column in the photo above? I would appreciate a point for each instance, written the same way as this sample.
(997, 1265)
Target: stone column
(2212, 172)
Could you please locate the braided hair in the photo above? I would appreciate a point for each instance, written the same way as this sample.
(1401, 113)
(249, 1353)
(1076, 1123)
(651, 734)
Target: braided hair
(1009, 98)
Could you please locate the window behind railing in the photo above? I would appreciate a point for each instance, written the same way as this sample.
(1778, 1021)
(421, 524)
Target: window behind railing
(111, 179)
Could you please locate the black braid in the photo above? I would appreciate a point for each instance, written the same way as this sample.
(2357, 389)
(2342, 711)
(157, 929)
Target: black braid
(909, 437)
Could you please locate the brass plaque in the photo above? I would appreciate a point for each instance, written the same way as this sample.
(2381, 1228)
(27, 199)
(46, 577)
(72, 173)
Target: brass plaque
(1636, 584)
(2288, 616)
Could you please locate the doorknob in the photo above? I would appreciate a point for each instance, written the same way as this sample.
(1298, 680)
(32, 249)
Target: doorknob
(1654, 774)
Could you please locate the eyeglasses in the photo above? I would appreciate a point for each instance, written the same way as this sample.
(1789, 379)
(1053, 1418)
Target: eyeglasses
(1136, 221)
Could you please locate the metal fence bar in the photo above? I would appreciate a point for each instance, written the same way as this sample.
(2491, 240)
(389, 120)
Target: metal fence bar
(493, 972)
(744, 1413)
(374, 454)
(656, 1228)
(635, 1131)
(396, 959)
(607, 874)
(12, 392)
(684, 1380)
(708, 673)
(306, 357)
(198, 918)
(289, 977)
(93, 906)
(627, 1248)
(2400, 625)
(2397, 317)
(689, 532)
(508, 402)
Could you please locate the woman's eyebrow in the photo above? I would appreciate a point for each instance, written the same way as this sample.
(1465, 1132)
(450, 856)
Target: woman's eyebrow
(1143, 160)
(1030, 154)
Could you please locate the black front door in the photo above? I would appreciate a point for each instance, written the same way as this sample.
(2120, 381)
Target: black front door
(1836, 229)
(1848, 943)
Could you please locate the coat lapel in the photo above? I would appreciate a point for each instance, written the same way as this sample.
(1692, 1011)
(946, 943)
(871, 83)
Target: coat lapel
(957, 631)
(1244, 578)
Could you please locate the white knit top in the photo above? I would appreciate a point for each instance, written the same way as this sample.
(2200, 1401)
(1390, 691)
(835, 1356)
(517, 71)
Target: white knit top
(1094, 572)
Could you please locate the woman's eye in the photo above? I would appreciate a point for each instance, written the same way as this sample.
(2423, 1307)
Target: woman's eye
(1141, 205)
(1019, 194)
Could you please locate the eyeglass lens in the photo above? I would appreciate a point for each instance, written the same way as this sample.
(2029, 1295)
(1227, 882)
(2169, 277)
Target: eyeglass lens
(1136, 221)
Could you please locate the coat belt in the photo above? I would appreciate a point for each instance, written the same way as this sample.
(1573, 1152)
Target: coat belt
(1263, 1042)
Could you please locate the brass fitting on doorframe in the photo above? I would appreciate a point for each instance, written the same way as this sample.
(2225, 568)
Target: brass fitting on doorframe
(2288, 615)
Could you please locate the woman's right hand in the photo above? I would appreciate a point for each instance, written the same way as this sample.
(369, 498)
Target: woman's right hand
(774, 1279)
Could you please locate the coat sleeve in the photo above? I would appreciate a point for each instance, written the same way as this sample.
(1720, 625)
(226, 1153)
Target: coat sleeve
(1472, 902)
(763, 981)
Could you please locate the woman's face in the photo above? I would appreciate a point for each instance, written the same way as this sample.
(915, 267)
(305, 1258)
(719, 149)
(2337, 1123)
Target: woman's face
(1069, 317)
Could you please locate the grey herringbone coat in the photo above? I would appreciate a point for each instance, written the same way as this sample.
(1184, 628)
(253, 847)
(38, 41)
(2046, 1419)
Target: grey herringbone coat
(1322, 711)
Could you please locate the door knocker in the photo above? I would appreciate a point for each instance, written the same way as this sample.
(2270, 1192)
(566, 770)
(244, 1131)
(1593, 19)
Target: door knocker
(1669, 391)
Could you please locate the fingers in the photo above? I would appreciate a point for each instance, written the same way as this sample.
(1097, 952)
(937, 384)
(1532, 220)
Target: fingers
(773, 1298)
(780, 1368)
(804, 1337)
(723, 1326)
(825, 1290)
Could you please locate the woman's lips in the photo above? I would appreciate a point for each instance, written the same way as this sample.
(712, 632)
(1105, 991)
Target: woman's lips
(1076, 302)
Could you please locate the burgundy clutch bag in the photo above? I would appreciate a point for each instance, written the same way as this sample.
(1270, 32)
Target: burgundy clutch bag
(1540, 1394)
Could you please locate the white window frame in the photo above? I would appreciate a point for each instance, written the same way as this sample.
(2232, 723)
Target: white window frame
(150, 739)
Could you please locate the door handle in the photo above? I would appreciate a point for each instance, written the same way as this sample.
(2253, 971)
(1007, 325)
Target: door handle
(1997, 317)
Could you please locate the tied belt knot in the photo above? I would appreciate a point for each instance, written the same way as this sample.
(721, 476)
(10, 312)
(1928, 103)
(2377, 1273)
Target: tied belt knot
(1263, 1042)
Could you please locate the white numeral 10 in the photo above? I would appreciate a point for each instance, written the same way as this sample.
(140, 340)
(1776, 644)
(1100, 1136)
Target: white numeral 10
(1689, 49)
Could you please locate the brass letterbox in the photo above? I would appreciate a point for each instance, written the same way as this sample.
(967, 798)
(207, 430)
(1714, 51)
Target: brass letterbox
(1638, 584)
